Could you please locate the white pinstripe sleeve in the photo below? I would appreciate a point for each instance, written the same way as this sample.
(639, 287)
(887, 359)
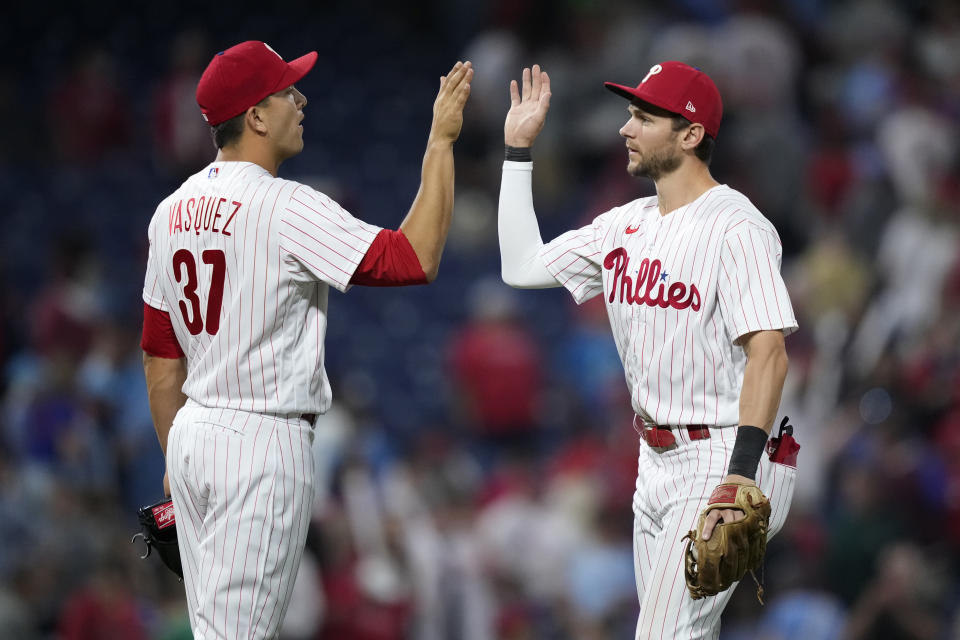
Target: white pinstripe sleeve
(753, 296)
(320, 240)
(152, 292)
(574, 259)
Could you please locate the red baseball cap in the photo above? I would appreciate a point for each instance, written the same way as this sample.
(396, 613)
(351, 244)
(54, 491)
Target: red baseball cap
(243, 75)
(681, 89)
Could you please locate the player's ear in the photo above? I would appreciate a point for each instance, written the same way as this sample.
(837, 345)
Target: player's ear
(693, 136)
(253, 119)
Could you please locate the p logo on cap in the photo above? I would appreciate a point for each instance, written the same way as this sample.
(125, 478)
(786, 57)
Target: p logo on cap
(654, 70)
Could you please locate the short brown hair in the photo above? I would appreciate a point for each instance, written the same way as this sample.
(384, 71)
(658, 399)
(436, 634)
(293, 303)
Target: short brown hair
(704, 150)
(229, 131)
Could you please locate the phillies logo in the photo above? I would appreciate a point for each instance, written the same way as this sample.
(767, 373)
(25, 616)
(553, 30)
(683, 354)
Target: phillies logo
(654, 70)
(676, 295)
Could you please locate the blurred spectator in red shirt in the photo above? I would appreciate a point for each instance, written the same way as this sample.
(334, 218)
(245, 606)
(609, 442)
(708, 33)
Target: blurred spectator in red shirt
(497, 370)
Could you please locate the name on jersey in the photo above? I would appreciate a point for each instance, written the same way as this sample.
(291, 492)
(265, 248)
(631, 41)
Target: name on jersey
(649, 289)
(203, 214)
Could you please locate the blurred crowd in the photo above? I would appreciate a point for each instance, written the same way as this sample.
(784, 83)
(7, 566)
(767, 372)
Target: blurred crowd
(475, 473)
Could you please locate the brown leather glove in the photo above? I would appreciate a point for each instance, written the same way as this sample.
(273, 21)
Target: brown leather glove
(734, 548)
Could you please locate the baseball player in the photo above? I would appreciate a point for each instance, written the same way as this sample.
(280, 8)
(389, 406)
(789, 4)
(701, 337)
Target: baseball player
(240, 266)
(698, 309)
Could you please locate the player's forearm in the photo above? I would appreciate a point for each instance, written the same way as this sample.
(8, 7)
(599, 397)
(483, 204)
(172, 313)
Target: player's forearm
(519, 232)
(428, 221)
(165, 378)
(763, 378)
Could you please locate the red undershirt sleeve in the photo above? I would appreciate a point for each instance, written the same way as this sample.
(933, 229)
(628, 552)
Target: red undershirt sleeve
(389, 262)
(159, 338)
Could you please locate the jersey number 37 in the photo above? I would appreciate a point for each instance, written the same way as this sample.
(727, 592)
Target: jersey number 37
(185, 268)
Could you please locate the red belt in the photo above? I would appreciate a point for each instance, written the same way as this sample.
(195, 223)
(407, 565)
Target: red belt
(657, 435)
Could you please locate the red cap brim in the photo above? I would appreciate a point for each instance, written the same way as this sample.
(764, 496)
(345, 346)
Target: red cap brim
(296, 70)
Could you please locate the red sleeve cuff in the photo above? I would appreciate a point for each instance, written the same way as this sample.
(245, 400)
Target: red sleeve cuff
(159, 338)
(389, 262)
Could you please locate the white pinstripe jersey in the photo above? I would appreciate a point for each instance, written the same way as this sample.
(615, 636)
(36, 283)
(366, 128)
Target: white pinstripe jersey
(243, 262)
(679, 290)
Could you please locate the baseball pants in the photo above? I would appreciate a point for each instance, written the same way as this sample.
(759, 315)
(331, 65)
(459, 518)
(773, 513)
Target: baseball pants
(673, 487)
(242, 486)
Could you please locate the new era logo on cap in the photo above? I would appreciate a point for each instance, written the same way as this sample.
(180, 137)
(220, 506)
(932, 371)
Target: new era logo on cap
(677, 87)
(243, 75)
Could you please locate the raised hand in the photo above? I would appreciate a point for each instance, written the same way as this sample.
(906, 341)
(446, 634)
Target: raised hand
(448, 107)
(528, 108)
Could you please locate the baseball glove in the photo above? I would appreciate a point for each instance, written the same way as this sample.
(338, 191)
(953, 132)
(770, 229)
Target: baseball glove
(158, 526)
(734, 548)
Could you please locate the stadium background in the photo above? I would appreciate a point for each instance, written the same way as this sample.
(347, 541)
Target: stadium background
(479, 460)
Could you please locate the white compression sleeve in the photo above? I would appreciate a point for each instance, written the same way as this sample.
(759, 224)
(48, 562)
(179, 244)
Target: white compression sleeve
(520, 241)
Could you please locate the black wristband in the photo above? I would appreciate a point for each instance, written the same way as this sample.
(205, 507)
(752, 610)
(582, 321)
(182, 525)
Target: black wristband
(749, 446)
(517, 154)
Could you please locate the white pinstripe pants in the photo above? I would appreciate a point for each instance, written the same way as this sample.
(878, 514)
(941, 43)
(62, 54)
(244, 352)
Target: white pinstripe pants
(242, 486)
(673, 487)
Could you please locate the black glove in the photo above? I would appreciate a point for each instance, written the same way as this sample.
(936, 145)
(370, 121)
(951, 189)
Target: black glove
(159, 531)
